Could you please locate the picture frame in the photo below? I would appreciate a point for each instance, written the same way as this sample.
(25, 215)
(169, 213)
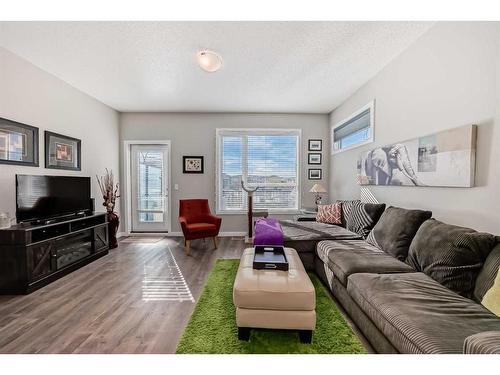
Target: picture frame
(315, 174)
(62, 152)
(193, 164)
(315, 145)
(314, 158)
(18, 143)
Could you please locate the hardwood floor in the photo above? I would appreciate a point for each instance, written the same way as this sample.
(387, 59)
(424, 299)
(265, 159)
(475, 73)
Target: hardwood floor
(112, 304)
(137, 299)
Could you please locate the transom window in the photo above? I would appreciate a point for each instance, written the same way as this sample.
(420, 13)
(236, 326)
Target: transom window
(267, 159)
(356, 130)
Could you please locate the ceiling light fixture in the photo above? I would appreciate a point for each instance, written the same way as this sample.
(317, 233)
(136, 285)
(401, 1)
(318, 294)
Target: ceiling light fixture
(209, 61)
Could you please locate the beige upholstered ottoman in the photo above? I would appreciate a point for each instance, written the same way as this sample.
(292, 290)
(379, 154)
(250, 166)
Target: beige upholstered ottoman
(274, 299)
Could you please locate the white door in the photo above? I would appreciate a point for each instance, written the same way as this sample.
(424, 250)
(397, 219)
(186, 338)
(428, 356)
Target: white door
(149, 188)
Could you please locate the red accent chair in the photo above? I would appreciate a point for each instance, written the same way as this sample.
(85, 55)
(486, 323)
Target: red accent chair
(197, 221)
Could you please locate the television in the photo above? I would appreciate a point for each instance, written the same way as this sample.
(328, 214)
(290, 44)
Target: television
(39, 198)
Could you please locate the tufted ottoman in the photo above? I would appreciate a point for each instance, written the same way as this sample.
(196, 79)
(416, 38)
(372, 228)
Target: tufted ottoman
(274, 299)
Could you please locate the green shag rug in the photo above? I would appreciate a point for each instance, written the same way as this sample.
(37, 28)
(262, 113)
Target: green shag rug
(212, 328)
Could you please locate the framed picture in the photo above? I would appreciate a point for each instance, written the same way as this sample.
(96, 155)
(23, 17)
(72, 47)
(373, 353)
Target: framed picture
(445, 159)
(18, 143)
(192, 164)
(315, 145)
(315, 174)
(62, 152)
(314, 158)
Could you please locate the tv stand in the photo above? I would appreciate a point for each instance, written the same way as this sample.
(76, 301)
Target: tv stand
(33, 255)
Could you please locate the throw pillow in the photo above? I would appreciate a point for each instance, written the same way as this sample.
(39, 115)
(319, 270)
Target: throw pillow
(363, 217)
(451, 255)
(347, 209)
(395, 230)
(488, 273)
(330, 213)
(491, 299)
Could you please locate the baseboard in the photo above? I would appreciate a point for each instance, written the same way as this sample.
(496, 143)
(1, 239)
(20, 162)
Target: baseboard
(221, 234)
(232, 234)
(178, 234)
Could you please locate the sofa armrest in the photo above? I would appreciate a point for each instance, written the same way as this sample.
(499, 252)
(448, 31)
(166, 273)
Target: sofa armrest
(483, 343)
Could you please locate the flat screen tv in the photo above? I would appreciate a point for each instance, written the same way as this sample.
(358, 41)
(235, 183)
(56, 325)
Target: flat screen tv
(40, 198)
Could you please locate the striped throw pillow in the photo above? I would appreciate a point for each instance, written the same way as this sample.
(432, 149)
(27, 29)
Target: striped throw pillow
(330, 214)
(363, 217)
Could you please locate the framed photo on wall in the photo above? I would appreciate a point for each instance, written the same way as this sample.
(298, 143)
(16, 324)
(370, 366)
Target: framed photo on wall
(192, 164)
(315, 174)
(18, 143)
(62, 152)
(314, 158)
(315, 145)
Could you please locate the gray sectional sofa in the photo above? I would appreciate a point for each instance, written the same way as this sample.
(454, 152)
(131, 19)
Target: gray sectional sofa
(420, 293)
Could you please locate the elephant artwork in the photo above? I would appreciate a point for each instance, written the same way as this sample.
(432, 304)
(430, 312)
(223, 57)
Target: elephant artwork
(445, 159)
(380, 163)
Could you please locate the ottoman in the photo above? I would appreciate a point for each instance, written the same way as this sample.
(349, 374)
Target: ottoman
(274, 299)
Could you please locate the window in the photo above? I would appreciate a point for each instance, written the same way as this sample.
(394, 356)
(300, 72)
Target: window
(354, 131)
(268, 159)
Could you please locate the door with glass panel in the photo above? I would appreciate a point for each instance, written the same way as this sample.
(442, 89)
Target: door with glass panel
(149, 177)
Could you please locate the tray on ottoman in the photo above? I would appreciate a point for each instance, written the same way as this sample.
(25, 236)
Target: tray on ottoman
(270, 258)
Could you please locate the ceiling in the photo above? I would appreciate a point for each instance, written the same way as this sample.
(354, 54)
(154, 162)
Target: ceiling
(307, 67)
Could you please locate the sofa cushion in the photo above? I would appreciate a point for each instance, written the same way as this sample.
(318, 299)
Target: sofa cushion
(345, 258)
(488, 273)
(451, 255)
(363, 217)
(417, 314)
(483, 343)
(395, 230)
(201, 227)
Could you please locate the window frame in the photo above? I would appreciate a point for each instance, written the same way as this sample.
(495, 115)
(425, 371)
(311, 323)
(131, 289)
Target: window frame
(371, 107)
(218, 168)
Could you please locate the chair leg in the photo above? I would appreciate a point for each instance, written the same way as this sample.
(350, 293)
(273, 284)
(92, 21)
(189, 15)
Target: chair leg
(215, 242)
(188, 246)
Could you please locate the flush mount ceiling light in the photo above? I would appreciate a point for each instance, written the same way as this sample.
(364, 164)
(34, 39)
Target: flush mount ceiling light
(209, 61)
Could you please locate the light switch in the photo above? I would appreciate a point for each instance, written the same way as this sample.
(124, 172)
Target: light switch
(176, 187)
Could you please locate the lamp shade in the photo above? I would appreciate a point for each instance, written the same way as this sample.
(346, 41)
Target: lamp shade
(317, 188)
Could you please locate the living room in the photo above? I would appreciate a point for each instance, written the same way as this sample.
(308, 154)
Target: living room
(250, 187)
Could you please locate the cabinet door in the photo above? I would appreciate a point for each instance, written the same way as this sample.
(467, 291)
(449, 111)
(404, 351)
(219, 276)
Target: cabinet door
(40, 261)
(100, 238)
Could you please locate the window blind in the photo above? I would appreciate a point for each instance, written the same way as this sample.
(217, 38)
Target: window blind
(267, 159)
(354, 131)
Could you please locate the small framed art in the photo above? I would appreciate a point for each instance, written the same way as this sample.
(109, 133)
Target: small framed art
(18, 143)
(315, 174)
(315, 145)
(192, 164)
(314, 158)
(62, 152)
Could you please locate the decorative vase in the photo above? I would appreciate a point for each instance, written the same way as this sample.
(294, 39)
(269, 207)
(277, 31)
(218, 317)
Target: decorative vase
(113, 223)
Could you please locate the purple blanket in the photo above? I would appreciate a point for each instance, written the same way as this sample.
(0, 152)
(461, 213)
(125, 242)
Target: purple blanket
(268, 232)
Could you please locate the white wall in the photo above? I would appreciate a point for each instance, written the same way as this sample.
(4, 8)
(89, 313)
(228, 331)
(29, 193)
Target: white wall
(32, 96)
(194, 134)
(447, 78)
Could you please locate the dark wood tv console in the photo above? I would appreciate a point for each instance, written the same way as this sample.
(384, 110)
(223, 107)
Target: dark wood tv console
(34, 255)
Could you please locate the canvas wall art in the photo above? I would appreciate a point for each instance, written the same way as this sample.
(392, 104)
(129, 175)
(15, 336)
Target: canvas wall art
(444, 159)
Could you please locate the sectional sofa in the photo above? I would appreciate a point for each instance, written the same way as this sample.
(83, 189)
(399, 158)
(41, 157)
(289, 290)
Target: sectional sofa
(412, 284)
